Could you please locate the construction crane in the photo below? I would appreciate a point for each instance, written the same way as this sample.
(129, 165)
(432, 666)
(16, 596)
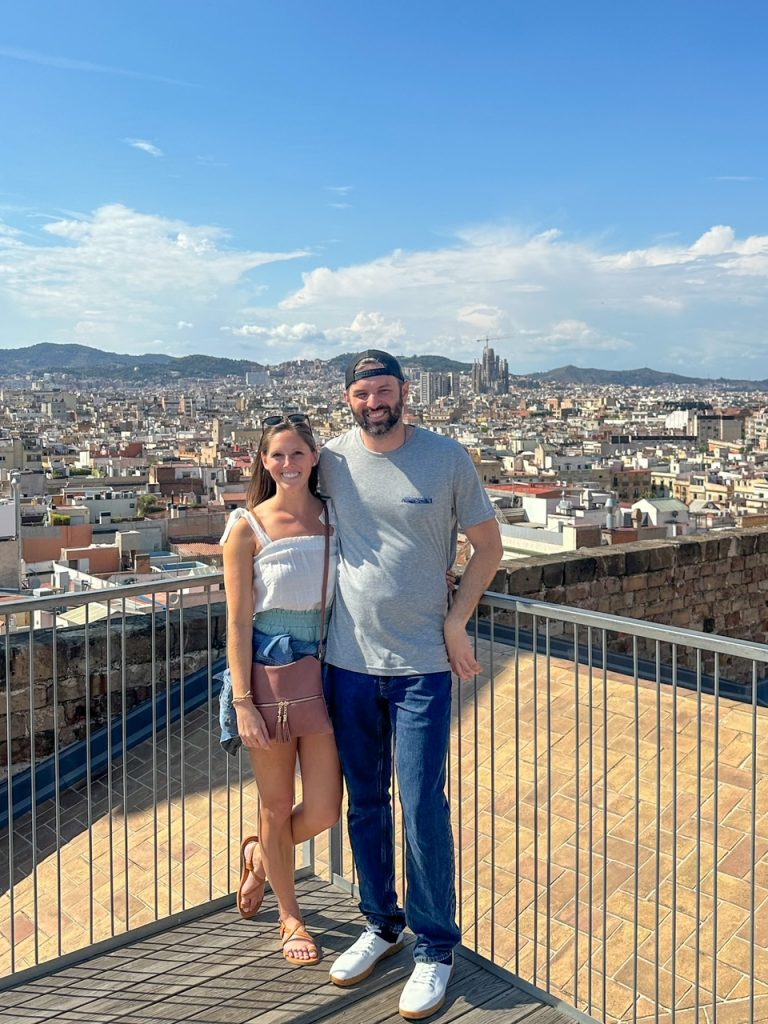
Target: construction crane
(487, 340)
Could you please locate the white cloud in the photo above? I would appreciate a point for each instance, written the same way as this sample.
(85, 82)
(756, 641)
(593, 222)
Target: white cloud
(578, 336)
(484, 318)
(485, 263)
(341, 191)
(277, 334)
(69, 64)
(719, 240)
(662, 304)
(544, 293)
(124, 276)
(127, 278)
(209, 161)
(571, 329)
(307, 340)
(369, 330)
(145, 146)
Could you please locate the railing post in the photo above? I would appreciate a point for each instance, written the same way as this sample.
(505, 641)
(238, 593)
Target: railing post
(336, 852)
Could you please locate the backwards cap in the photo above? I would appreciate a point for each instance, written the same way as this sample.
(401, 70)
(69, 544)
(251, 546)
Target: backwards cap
(388, 366)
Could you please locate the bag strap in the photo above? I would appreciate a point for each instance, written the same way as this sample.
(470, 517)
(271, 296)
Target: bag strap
(326, 561)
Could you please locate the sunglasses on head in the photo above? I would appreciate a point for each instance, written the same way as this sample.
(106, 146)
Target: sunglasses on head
(291, 417)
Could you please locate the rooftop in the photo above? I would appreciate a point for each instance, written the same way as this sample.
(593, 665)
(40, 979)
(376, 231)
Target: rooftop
(595, 768)
(219, 968)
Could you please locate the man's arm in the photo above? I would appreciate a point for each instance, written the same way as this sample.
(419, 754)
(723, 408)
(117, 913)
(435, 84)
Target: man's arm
(486, 555)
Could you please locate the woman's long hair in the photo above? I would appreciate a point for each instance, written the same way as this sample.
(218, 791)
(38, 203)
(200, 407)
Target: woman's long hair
(262, 486)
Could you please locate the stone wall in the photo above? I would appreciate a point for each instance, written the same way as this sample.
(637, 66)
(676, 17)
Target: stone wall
(713, 583)
(710, 583)
(35, 713)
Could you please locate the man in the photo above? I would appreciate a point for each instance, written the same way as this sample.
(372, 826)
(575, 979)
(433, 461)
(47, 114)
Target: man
(400, 493)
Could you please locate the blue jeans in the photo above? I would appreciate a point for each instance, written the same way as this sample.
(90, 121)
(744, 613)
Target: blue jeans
(366, 711)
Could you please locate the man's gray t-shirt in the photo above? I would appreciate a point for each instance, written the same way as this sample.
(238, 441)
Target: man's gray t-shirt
(397, 515)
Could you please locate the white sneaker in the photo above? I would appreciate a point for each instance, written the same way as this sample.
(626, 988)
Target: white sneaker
(424, 992)
(359, 960)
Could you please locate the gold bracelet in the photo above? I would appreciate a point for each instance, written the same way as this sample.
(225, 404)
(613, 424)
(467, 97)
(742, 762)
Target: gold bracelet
(240, 700)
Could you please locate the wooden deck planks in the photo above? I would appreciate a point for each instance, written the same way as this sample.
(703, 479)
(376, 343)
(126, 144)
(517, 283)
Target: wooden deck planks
(223, 970)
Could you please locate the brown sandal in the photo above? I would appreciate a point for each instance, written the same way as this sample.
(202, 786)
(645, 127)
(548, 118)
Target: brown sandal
(298, 932)
(247, 870)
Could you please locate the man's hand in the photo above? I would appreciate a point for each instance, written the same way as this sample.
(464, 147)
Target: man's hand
(460, 652)
(486, 555)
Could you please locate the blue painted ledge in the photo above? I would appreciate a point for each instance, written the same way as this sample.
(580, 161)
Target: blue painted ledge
(73, 759)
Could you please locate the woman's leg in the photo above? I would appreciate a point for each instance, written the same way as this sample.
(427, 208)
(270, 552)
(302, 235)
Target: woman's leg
(320, 804)
(275, 771)
(283, 826)
(320, 787)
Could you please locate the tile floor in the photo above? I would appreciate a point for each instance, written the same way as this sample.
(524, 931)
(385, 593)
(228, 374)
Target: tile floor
(560, 813)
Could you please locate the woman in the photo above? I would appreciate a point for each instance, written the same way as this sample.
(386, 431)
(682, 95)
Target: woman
(274, 551)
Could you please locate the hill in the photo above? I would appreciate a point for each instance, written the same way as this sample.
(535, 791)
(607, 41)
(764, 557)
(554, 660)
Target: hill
(432, 364)
(48, 357)
(83, 360)
(643, 377)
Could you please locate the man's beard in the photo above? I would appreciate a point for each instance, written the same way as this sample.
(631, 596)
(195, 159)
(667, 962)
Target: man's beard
(381, 427)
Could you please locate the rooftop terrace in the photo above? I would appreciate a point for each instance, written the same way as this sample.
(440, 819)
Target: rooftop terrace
(588, 798)
(222, 969)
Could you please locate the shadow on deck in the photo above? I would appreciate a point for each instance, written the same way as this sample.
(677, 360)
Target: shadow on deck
(220, 969)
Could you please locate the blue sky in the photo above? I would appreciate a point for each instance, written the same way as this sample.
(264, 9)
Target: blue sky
(584, 182)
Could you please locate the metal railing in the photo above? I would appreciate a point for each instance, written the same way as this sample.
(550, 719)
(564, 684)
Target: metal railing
(117, 808)
(609, 800)
(593, 774)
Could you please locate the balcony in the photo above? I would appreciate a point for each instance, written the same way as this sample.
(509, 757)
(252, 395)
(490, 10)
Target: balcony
(596, 766)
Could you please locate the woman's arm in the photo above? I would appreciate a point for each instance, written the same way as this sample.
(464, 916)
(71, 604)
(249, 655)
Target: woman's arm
(239, 550)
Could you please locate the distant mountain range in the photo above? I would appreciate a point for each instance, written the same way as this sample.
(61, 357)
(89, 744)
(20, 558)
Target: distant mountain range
(433, 364)
(644, 378)
(48, 357)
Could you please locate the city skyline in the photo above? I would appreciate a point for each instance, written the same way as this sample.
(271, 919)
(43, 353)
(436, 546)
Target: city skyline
(581, 186)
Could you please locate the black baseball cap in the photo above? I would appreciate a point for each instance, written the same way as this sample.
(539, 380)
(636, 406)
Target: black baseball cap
(389, 367)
